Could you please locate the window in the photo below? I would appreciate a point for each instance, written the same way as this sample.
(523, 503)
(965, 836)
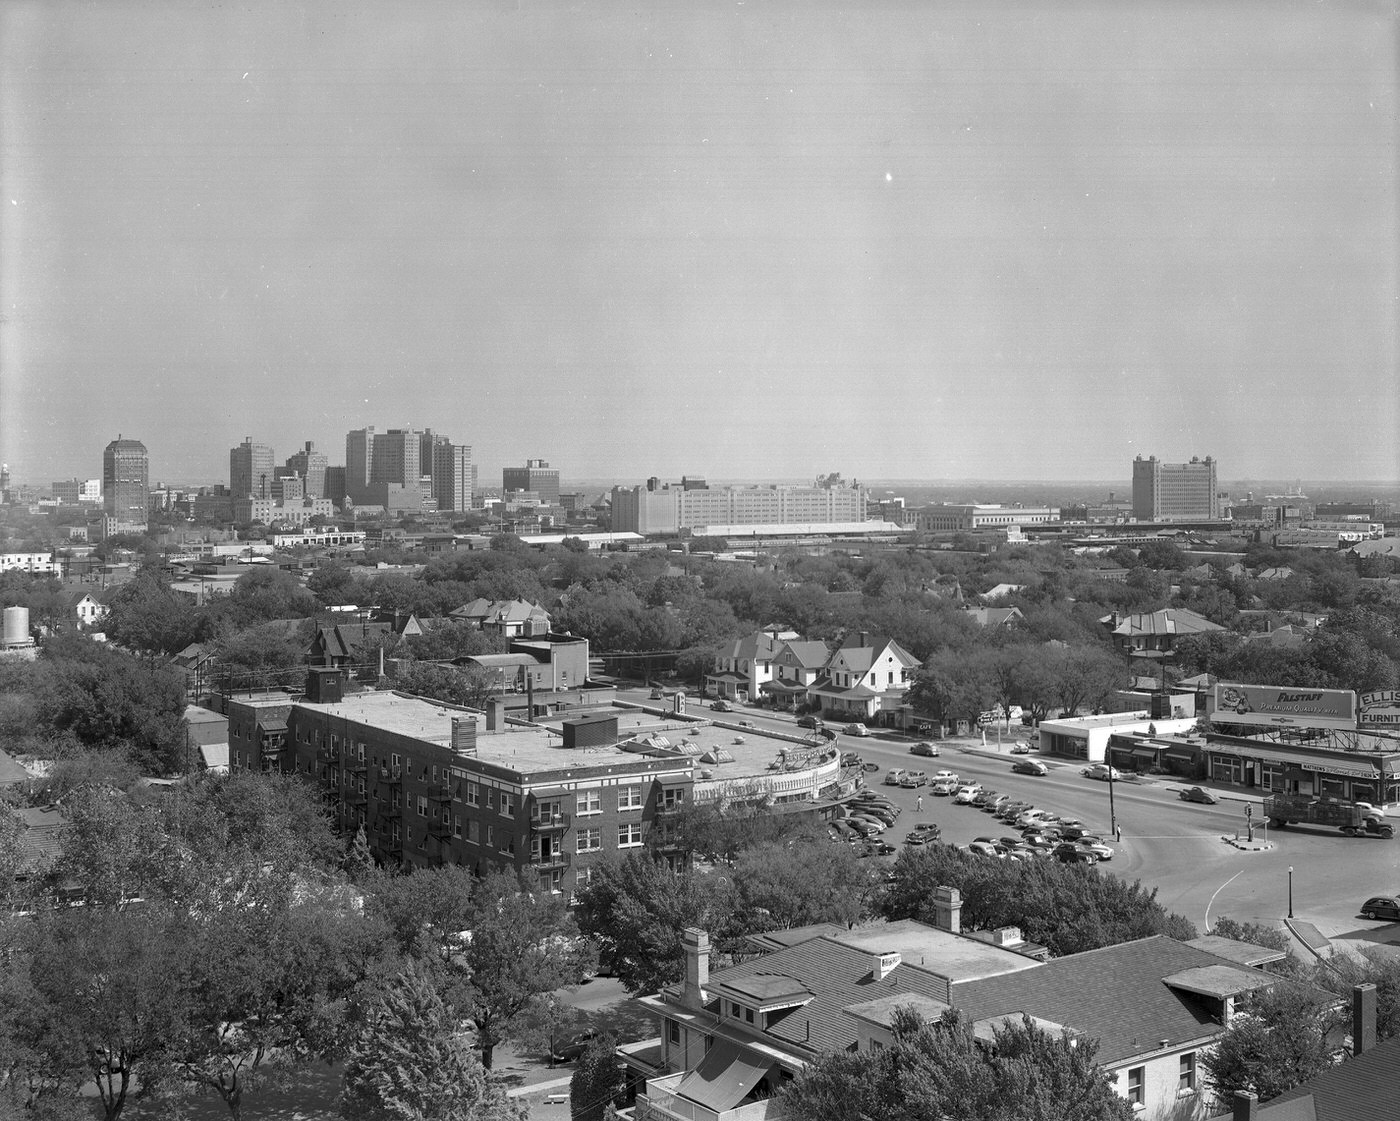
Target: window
(490, 798)
(673, 1031)
(1186, 1080)
(590, 840)
(490, 835)
(508, 844)
(473, 831)
(629, 835)
(554, 880)
(456, 825)
(395, 761)
(589, 802)
(1136, 1080)
(507, 805)
(422, 806)
(629, 797)
(673, 798)
(473, 796)
(584, 877)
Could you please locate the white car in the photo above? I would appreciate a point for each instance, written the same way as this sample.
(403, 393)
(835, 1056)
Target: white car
(965, 794)
(1095, 846)
(940, 775)
(1102, 771)
(984, 848)
(942, 786)
(856, 730)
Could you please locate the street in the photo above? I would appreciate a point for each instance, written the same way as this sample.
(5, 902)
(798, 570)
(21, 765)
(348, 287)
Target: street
(1168, 844)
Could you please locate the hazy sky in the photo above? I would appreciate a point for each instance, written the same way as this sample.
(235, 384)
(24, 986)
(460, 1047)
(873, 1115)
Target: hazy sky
(743, 239)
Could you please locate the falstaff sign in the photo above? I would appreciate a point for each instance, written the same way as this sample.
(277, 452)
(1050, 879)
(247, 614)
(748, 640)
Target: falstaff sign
(1273, 704)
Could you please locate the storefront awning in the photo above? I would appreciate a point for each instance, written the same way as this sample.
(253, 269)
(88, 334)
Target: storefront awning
(724, 1077)
(1346, 767)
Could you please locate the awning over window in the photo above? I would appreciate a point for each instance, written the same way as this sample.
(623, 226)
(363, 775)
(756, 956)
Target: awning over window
(724, 1077)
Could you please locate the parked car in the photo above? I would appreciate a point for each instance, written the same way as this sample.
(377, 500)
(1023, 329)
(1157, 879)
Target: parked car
(1029, 767)
(943, 786)
(984, 848)
(721, 706)
(850, 759)
(1102, 771)
(995, 802)
(809, 722)
(569, 1048)
(840, 827)
(919, 838)
(1196, 794)
(879, 813)
(856, 730)
(1381, 907)
(946, 774)
(913, 779)
(866, 826)
(893, 778)
(1021, 747)
(1095, 846)
(746, 723)
(928, 828)
(1073, 831)
(1070, 853)
(927, 749)
(965, 795)
(983, 796)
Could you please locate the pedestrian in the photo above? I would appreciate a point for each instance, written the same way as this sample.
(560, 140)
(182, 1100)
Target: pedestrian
(920, 804)
(1118, 831)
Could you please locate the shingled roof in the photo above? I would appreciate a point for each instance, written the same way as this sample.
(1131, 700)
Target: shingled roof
(1361, 1089)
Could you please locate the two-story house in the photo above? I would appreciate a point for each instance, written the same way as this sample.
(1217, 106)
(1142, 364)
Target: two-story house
(730, 1040)
(796, 667)
(741, 671)
(510, 618)
(865, 679)
(1155, 630)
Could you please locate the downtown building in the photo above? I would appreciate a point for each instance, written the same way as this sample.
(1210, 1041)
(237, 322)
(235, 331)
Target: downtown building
(251, 470)
(663, 508)
(125, 486)
(407, 470)
(1175, 492)
(537, 477)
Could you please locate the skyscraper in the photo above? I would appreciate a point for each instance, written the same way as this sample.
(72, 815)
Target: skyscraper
(125, 483)
(407, 469)
(536, 476)
(452, 474)
(250, 470)
(1175, 492)
(311, 466)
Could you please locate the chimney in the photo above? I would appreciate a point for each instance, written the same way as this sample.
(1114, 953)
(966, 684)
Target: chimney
(864, 640)
(1244, 1106)
(947, 909)
(1363, 1019)
(696, 944)
(883, 964)
(464, 735)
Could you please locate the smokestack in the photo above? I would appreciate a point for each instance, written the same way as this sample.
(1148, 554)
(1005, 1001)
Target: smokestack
(947, 909)
(696, 944)
(1363, 1019)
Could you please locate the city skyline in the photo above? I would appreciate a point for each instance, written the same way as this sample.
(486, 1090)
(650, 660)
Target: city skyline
(910, 243)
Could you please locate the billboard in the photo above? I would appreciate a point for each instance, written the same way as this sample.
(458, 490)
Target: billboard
(1284, 705)
(1381, 706)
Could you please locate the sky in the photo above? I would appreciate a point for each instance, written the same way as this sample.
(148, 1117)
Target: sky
(740, 240)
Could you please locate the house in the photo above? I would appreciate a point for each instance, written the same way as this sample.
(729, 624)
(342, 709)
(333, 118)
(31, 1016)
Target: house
(1155, 630)
(88, 609)
(511, 618)
(1001, 591)
(730, 1040)
(866, 676)
(741, 671)
(796, 666)
(347, 645)
(995, 618)
(1274, 573)
(40, 838)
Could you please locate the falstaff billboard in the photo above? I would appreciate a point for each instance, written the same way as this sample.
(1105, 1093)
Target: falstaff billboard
(1274, 704)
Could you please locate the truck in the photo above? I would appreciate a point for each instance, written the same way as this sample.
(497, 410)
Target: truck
(1352, 818)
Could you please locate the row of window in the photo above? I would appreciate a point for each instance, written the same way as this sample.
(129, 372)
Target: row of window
(1186, 1080)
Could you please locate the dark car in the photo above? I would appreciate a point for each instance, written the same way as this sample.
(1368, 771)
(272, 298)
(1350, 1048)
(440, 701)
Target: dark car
(1070, 853)
(572, 1046)
(926, 749)
(983, 796)
(1029, 767)
(1381, 907)
(919, 838)
(1021, 748)
(850, 759)
(927, 829)
(721, 706)
(809, 722)
(1196, 794)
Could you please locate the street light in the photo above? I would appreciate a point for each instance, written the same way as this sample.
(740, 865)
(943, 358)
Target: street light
(1290, 891)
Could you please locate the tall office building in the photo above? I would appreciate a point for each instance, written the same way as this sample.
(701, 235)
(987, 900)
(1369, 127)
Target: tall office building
(536, 476)
(125, 483)
(311, 466)
(1175, 492)
(407, 469)
(251, 470)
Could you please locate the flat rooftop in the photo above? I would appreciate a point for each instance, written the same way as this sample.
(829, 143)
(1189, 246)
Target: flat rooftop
(920, 946)
(540, 747)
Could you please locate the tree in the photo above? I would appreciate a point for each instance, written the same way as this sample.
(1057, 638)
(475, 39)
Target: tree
(1281, 1037)
(1087, 676)
(598, 1081)
(410, 1061)
(781, 886)
(1340, 974)
(147, 617)
(520, 948)
(547, 1023)
(469, 685)
(262, 655)
(941, 1070)
(637, 908)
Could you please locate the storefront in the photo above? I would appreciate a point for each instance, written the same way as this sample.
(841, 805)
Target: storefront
(1267, 767)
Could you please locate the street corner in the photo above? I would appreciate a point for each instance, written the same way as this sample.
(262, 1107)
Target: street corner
(1244, 844)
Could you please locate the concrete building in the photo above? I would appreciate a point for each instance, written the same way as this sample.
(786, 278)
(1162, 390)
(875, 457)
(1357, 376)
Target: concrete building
(536, 476)
(72, 491)
(310, 466)
(659, 508)
(1175, 492)
(407, 470)
(272, 511)
(125, 485)
(251, 470)
(972, 517)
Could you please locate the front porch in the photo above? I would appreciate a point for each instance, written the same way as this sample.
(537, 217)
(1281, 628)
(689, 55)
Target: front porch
(661, 1102)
